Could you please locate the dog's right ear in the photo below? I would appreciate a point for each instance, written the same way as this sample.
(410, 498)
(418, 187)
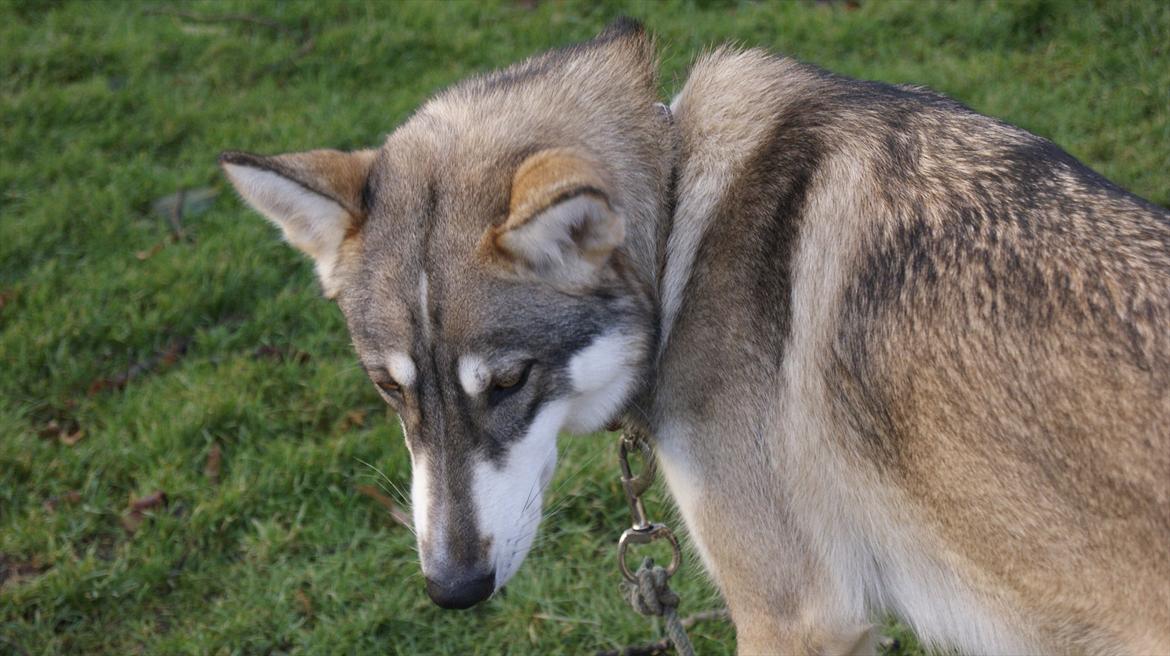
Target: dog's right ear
(314, 197)
(561, 226)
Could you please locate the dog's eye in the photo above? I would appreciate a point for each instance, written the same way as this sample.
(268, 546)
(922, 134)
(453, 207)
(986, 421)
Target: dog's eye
(507, 384)
(388, 386)
(509, 380)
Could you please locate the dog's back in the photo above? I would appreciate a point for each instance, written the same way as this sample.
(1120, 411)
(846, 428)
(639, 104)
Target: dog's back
(971, 335)
(1003, 354)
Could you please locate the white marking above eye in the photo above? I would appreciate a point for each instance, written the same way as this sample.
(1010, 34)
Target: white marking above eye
(473, 374)
(401, 368)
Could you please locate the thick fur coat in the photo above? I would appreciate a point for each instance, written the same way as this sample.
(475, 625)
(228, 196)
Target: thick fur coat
(896, 356)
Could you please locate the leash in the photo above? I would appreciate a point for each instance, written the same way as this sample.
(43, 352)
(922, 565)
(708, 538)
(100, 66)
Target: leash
(647, 590)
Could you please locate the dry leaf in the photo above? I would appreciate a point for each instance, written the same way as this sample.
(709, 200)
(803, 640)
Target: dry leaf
(65, 429)
(149, 253)
(304, 603)
(214, 462)
(138, 508)
(49, 430)
(71, 438)
(353, 419)
(132, 521)
(149, 502)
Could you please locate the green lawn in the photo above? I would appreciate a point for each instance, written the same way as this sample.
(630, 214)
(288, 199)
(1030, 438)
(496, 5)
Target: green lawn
(129, 356)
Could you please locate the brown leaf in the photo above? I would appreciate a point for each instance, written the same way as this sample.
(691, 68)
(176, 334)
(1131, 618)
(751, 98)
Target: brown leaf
(6, 297)
(150, 252)
(150, 501)
(138, 507)
(71, 438)
(398, 514)
(214, 462)
(304, 603)
(50, 430)
(101, 385)
(353, 419)
(132, 521)
(65, 429)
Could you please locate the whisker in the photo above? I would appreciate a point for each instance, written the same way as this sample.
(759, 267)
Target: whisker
(400, 493)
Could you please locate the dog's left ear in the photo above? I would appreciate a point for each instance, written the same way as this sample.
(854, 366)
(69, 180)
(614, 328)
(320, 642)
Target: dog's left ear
(314, 197)
(561, 227)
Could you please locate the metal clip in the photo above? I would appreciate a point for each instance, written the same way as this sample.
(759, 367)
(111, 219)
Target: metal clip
(636, 486)
(642, 531)
(650, 533)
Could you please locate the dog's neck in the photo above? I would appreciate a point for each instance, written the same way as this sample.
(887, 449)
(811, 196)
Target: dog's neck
(653, 234)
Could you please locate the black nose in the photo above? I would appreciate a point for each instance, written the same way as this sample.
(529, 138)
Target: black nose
(460, 593)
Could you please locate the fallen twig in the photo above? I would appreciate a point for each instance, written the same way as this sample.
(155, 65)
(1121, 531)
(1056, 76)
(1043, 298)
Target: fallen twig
(214, 462)
(176, 216)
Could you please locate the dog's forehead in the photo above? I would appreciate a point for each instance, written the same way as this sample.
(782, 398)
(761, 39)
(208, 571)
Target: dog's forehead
(451, 311)
(432, 194)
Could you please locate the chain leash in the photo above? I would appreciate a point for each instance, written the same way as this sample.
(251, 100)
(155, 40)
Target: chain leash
(647, 590)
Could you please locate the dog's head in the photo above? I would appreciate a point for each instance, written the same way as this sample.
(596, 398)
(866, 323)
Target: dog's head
(482, 259)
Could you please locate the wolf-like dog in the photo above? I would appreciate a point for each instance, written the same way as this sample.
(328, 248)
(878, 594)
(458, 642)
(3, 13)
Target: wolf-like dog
(895, 356)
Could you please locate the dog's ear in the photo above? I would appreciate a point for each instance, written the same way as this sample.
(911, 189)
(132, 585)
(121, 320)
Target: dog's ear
(315, 197)
(561, 226)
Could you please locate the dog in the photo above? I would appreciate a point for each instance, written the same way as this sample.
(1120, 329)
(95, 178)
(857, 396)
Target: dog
(895, 356)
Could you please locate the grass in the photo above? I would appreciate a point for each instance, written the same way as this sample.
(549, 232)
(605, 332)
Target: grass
(129, 357)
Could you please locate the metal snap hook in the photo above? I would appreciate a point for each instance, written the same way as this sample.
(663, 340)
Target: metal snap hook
(651, 533)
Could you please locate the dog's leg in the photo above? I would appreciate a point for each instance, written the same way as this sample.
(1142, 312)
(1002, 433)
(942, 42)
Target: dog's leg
(759, 634)
(782, 591)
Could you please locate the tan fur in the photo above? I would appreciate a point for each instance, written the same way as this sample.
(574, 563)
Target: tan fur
(545, 177)
(909, 360)
(549, 178)
(977, 545)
